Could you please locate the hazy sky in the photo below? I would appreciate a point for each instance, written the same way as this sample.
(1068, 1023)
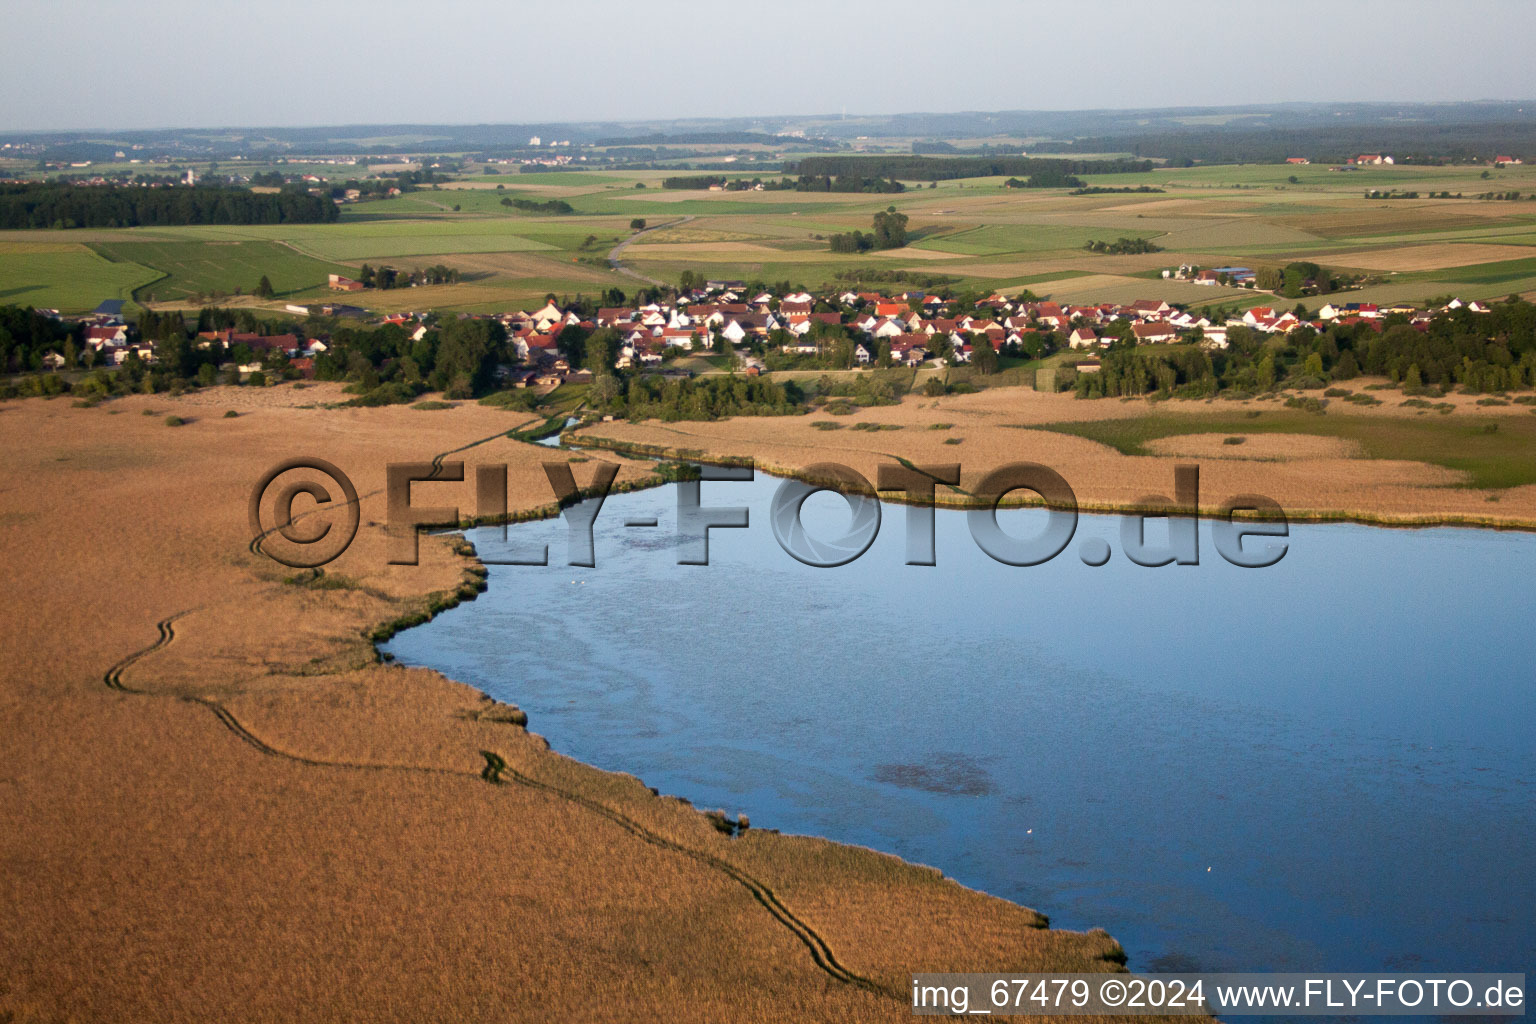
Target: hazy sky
(178, 63)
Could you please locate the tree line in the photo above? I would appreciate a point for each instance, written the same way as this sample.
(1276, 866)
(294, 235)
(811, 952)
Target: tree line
(51, 205)
(1047, 179)
(1122, 246)
(890, 232)
(385, 278)
(534, 206)
(924, 168)
(805, 183)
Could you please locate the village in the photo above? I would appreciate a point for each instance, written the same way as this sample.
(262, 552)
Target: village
(760, 330)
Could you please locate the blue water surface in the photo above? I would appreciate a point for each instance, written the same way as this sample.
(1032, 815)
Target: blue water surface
(1327, 764)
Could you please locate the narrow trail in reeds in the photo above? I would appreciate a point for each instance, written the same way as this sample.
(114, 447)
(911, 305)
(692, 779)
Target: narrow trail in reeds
(497, 771)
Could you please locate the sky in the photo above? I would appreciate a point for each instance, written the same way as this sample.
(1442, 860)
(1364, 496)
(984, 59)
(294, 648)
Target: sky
(181, 64)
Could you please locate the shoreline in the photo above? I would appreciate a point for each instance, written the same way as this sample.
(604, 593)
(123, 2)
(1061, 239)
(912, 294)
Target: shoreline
(1510, 524)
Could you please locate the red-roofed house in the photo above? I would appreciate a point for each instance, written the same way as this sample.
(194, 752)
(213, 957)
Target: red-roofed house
(1153, 333)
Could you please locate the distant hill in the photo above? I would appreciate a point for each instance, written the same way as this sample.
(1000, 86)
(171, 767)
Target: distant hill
(1262, 133)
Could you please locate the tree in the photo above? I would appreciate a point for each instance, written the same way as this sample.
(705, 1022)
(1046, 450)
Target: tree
(600, 350)
(1313, 367)
(1347, 368)
(983, 355)
(467, 353)
(1413, 380)
(604, 390)
(890, 229)
(883, 357)
(264, 288)
(1266, 373)
(638, 224)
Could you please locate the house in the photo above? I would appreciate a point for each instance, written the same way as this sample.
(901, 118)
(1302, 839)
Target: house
(344, 284)
(1050, 314)
(1082, 338)
(799, 346)
(678, 338)
(1297, 160)
(1153, 333)
(1503, 161)
(550, 314)
(909, 349)
(1088, 366)
(1150, 309)
(53, 361)
(861, 355)
(106, 337)
(610, 316)
(287, 344)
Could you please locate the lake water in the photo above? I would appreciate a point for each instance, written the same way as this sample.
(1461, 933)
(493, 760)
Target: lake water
(1323, 765)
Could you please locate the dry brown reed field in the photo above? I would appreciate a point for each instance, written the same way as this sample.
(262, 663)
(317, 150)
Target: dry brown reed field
(221, 806)
(1310, 476)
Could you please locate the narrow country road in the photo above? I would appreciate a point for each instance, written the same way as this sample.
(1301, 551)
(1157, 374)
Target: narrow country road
(613, 254)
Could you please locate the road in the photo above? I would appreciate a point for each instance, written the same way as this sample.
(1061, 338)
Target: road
(613, 254)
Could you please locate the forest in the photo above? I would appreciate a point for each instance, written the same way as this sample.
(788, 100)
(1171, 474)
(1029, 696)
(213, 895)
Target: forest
(52, 205)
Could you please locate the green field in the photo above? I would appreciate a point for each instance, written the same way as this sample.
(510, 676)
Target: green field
(204, 268)
(1491, 459)
(995, 240)
(974, 231)
(70, 278)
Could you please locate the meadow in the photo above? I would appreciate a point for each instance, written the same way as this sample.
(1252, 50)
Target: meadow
(66, 276)
(1493, 452)
(976, 231)
(227, 268)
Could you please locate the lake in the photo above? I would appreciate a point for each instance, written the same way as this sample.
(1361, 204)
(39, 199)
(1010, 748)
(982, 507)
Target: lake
(1327, 764)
